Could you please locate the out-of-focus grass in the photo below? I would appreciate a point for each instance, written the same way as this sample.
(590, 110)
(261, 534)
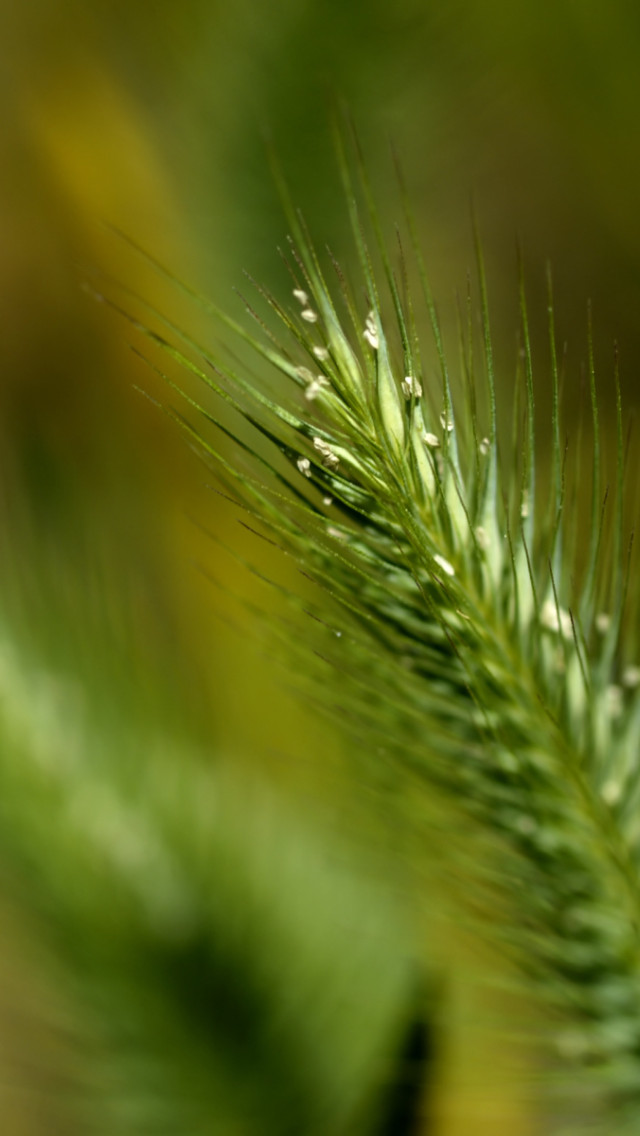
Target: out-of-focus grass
(152, 120)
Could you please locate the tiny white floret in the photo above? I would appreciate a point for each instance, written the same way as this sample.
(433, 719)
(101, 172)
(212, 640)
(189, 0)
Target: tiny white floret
(431, 440)
(411, 387)
(309, 315)
(445, 565)
(314, 388)
(631, 677)
(329, 459)
(482, 537)
(484, 446)
(305, 374)
(301, 296)
(556, 619)
(321, 352)
(611, 791)
(446, 422)
(304, 465)
(327, 501)
(371, 331)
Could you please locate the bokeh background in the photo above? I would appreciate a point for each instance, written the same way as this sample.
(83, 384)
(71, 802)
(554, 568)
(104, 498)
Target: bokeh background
(152, 118)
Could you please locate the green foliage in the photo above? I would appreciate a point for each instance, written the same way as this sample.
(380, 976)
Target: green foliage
(463, 631)
(213, 970)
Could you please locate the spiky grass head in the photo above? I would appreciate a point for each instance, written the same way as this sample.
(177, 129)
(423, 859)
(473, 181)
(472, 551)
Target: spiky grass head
(464, 632)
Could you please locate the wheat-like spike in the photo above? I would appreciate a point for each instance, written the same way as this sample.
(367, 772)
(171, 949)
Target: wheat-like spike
(469, 636)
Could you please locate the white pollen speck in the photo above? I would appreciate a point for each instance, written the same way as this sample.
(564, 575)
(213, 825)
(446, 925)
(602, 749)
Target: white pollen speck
(431, 440)
(327, 501)
(329, 459)
(309, 315)
(631, 677)
(603, 622)
(314, 388)
(411, 387)
(445, 565)
(556, 619)
(321, 353)
(482, 537)
(371, 331)
(304, 465)
(484, 446)
(301, 296)
(611, 791)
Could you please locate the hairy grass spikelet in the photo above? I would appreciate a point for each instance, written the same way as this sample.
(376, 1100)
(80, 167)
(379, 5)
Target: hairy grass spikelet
(478, 647)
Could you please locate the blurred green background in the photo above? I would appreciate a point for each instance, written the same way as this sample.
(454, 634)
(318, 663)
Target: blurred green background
(152, 117)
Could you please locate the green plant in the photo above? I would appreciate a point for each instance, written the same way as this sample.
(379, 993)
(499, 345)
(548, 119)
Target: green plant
(179, 954)
(469, 639)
